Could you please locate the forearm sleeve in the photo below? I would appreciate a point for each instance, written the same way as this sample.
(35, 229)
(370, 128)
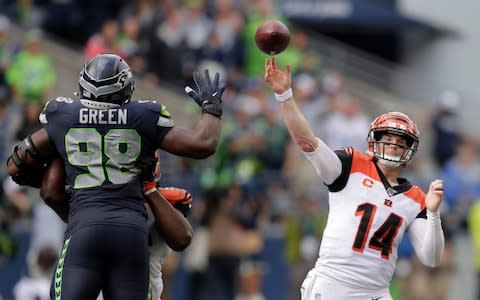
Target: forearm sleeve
(427, 239)
(326, 163)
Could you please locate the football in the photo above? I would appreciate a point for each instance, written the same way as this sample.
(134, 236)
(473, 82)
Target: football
(272, 37)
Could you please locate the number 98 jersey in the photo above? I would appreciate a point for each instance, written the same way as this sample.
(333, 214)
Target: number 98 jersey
(100, 144)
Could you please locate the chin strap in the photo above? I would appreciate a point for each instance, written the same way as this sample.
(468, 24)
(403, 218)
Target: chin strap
(389, 163)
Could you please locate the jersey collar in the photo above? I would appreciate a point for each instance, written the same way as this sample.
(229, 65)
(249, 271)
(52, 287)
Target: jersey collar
(403, 184)
(97, 104)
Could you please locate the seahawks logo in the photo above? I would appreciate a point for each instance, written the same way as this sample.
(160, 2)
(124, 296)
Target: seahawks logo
(124, 78)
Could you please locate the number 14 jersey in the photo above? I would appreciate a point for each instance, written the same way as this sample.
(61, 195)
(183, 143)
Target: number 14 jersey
(366, 223)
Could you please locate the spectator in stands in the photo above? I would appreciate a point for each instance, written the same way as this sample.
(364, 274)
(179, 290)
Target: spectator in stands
(462, 183)
(105, 41)
(314, 107)
(146, 11)
(228, 24)
(7, 128)
(224, 254)
(166, 46)
(250, 278)
(31, 74)
(8, 49)
(462, 189)
(213, 53)
(333, 86)
(346, 125)
(474, 228)
(446, 128)
(131, 44)
(36, 285)
(304, 228)
(257, 12)
(196, 25)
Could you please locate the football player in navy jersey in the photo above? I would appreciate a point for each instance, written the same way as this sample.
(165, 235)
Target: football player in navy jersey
(169, 228)
(101, 138)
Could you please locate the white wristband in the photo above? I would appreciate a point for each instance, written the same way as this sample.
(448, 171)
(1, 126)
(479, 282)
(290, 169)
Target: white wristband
(148, 192)
(284, 96)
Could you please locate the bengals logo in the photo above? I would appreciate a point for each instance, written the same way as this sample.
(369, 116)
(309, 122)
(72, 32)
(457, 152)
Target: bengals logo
(388, 202)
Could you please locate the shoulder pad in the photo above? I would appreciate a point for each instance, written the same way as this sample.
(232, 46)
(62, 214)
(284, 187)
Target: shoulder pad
(155, 106)
(360, 155)
(164, 118)
(52, 106)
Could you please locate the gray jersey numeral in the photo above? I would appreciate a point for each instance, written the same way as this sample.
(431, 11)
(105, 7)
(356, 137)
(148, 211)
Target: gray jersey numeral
(85, 147)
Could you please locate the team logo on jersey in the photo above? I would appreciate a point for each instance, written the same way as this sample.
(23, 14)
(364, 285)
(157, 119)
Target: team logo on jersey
(367, 182)
(388, 202)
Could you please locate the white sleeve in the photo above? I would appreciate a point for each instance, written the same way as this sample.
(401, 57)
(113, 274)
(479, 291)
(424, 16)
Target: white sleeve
(326, 163)
(158, 251)
(156, 280)
(427, 238)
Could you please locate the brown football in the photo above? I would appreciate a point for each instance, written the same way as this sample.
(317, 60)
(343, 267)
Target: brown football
(272, 37)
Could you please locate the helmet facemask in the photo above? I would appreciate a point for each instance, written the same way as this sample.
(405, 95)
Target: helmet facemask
(397, 124)
(389, 160)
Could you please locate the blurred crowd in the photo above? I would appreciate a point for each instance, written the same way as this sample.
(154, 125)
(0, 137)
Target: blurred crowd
(259, 209)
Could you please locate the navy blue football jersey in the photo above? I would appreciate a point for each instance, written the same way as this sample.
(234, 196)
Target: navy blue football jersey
(100, 144)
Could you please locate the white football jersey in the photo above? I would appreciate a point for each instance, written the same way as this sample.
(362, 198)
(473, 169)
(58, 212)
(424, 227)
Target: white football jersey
(366, 223)
(158, 251)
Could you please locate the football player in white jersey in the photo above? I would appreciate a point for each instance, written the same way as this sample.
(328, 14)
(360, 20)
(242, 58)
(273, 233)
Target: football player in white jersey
(370, 206)
(180, 199)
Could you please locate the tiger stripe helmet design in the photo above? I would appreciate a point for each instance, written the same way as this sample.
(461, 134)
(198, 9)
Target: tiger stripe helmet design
(107, 78)
(394, 123)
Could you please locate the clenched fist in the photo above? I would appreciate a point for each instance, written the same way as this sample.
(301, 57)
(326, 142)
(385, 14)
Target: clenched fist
(434, 196)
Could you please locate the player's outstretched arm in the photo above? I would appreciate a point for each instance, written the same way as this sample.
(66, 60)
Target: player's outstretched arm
(202, 141)
(280, 81)
(171, 225)
(327, 164)
(427, 235)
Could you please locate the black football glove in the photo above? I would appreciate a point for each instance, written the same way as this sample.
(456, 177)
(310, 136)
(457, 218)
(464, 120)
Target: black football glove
(208, 95)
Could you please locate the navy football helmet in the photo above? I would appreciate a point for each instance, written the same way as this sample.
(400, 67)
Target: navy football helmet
(107, 78)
